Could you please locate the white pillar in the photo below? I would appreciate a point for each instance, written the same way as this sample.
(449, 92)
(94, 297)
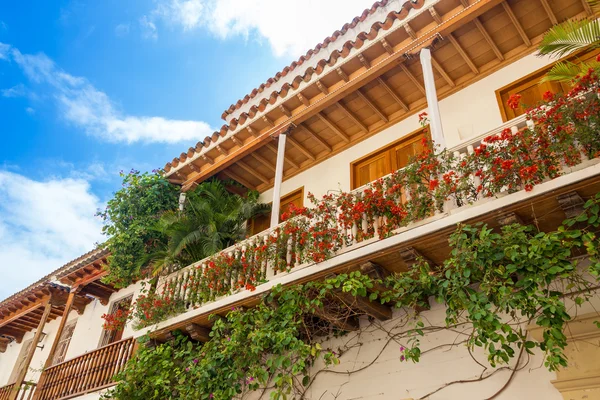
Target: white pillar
(435, 121)
(278, 178)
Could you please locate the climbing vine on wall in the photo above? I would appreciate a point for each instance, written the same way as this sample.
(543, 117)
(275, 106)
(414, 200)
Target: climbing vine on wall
(494, 284)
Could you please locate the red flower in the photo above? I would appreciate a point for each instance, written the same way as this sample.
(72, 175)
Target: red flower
(433, 184)
(513, 101)
(548, 96)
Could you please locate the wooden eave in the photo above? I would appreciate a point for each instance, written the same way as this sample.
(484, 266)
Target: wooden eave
(379, 87)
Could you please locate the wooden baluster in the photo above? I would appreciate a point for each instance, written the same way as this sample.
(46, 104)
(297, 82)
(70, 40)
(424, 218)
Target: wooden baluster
(85, 381)
(94, 368)
(105, 367)
(111, 366)
(288, 253)
(101, 355)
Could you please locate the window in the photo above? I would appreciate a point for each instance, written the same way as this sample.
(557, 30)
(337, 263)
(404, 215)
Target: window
(387, 160)
(531, 90)
(263, 222)
(63, 342)
(111, 336)
(20, 364)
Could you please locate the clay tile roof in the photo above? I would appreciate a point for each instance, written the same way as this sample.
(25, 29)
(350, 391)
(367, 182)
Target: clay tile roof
(66, 269)
(401, 14)
(330, 58)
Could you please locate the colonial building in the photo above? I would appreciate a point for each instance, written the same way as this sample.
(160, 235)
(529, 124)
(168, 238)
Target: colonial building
(339, 118)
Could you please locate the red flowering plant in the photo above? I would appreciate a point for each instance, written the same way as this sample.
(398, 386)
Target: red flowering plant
(116, 321)
(153, 306)
(559, 131)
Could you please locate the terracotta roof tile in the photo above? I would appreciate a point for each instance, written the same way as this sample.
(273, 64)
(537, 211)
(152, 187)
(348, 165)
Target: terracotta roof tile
(307, 74)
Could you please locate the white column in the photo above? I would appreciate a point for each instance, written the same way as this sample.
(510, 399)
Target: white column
(278, 178)
(435, 121)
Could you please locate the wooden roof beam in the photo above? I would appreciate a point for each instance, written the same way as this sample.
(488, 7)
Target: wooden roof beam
(488, 39)
(9, 319)
(372, 308)
(372, 106)
(410, 31)
(587, 7)
(316, 137)
(442, 72)
(263, 161)
(342, 74)
(232, 175)
(393, 94)
(198, 333)
(301, 148)
(459, 49)
(412, 78)
(333, 127)
(287, 158)
(352, 117)
(549, 11)
(516, 23)
(253, 172)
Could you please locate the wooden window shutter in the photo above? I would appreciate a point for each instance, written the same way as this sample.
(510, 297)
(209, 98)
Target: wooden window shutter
(263, 222)
(387, 159)
(63, 342)
(532, 91)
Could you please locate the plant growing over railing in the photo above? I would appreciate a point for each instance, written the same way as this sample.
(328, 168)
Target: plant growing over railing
(560, 133)
(493, 285)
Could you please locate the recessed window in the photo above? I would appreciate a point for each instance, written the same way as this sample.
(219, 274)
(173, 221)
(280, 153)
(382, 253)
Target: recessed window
(111, 336)
(263, 222)
(387, 159)
(63, 342)
(532, 91)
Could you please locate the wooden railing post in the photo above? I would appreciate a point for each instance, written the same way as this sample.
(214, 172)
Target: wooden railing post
(36, 338)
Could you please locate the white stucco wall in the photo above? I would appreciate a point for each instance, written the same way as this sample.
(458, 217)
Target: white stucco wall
(86, 337)
(465, 114)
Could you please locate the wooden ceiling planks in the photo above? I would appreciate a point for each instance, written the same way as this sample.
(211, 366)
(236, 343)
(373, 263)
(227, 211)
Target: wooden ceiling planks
(478, 46)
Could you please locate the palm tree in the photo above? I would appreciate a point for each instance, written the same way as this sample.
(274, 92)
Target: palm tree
(568, 37)
(213, 219)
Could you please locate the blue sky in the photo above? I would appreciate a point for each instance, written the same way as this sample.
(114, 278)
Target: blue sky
(89, 88)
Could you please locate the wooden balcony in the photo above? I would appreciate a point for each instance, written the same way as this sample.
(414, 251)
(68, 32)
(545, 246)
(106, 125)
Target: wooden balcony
(265, 260)
(87, 373)
(26, 391)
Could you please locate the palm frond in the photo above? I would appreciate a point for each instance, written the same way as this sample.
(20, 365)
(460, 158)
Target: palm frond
(567, 71)
(570, 36)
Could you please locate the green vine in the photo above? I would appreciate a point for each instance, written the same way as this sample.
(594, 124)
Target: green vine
(494, 284)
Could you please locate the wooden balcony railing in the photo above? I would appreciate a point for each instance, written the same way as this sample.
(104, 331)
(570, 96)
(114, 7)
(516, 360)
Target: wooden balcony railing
(26, 391)
(90, 372)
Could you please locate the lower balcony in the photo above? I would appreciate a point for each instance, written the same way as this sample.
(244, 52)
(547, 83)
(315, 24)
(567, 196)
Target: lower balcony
(87, 373)
(25, 391)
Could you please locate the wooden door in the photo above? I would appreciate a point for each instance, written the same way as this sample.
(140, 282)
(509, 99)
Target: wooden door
(532, 92)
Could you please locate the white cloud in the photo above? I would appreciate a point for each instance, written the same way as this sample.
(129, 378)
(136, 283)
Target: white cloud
(15, 91)
(92, 110)
(148, 27)
(30, 110)
(291, 27)
(122, 30)
(4, 50)
(43, 224)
